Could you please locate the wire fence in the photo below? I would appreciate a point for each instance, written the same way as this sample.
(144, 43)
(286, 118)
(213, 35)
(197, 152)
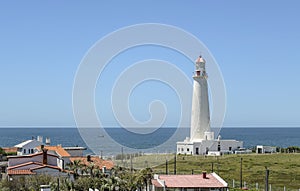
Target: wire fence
(236, 185)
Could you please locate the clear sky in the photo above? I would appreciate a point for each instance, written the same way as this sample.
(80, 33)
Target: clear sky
(256, 44)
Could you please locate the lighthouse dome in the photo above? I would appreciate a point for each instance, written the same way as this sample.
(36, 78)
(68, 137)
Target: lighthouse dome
(200, 59)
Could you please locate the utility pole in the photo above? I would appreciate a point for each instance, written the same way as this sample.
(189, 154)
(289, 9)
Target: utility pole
(131, 165)
(122, 155)
(212, 167)
(166, 167)
(267, 179)
(57, 184)
(241, 174)
(175, 164)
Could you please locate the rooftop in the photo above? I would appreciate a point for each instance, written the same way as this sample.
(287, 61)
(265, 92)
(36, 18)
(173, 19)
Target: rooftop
(59, 150)
(20, 145)
(190, 181)
(96, 160)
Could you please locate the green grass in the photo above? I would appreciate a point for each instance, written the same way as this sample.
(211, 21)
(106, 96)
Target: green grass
(284, 168)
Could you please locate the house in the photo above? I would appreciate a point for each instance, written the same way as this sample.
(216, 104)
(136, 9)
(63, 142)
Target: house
(199, 182)
(28, 147)
(38, 163)
(59, 151)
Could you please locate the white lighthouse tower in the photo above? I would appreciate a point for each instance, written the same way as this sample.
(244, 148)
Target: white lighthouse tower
(202, 140)
(200, 121)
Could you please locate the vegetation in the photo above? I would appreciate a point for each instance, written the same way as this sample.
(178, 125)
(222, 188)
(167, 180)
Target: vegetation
(284, 172)
(119, 179)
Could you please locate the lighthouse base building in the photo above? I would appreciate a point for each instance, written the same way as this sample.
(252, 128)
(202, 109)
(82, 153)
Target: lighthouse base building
(208, 147)
(202, 140)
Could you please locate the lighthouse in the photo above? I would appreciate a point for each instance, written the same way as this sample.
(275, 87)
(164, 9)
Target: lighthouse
(202, 140)
(200, 120)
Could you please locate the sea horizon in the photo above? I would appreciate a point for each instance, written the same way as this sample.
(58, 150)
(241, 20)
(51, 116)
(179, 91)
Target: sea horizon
(102, 140)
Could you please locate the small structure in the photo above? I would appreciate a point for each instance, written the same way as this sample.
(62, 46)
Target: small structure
(260, 149)
(207, 182)
(45, 188)
(75, 151)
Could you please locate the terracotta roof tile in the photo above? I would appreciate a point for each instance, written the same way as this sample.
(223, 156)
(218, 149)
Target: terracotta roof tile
(59, 150)
(193, 181)
(10, 149)
(156, 183)
(20, 172)
(24, 164)
(96, 160)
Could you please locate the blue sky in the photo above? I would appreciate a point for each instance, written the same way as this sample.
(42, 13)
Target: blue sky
(256, 44)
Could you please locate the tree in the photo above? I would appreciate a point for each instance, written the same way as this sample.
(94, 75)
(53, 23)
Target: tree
(146, 175)
(76, 167)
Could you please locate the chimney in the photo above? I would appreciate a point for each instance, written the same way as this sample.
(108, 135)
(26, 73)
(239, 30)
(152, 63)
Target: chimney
(48, 141)
(44, 155)
(88, 158)
(204, 174)
(40, 138)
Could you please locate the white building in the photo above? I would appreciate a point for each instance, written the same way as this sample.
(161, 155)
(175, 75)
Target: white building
(202, 140)
(29, 146)
(260, 149)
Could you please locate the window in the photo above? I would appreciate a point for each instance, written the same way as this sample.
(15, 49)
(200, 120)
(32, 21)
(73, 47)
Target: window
(24, 151)
(230, 148)
(182, 149)
(31, 150)
(187, 149)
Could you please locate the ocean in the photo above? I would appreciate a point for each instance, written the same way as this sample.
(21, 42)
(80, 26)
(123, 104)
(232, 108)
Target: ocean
(113, 141)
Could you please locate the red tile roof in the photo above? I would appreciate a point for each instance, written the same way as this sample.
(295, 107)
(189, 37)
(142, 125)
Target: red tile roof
(156, 183)
(24, 164)
(96, 160)
(11, 170)
(59, 150)
(46, 166)
(20, 172)
(10, 149)
(192, 181)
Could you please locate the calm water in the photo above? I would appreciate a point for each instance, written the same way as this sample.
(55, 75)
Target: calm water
(100, 141)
